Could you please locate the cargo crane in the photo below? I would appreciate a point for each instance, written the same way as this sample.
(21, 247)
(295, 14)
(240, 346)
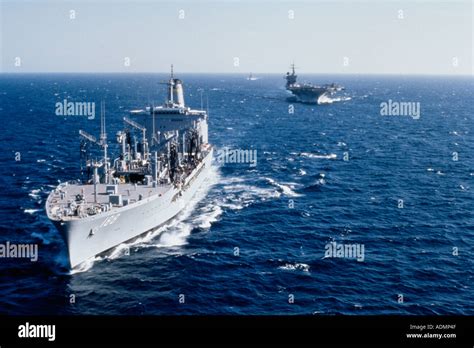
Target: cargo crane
(143, 130)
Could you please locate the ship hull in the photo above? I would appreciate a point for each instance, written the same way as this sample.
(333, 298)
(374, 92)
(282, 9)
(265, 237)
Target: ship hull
(310, 97)
(86, 238)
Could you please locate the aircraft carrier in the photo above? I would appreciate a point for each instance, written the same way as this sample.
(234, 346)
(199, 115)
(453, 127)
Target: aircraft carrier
(148, 184)
(307, 92)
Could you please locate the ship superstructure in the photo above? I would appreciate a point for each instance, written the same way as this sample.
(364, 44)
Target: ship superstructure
(149, 183)
(307, 92)
(252, 78)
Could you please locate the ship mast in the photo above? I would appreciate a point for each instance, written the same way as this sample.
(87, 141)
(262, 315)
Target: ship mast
(103, 140)
(143, 129)
(171, 87)
(153, 138)
(291, 78)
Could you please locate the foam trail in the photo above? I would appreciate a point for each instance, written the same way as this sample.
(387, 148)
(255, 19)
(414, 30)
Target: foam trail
(212, 212)
(284, 188)
(324, 99)
(249, 193)
(175, 237)
(313, 155)
(86, 265)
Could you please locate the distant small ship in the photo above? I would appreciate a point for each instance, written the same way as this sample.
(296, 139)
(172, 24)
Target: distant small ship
(251, 77)
(307, 92)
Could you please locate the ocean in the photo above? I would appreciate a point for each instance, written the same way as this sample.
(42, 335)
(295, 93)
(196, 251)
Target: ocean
(254, 241)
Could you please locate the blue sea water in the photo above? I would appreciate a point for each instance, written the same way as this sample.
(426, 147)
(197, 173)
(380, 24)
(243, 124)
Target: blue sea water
(278, 215)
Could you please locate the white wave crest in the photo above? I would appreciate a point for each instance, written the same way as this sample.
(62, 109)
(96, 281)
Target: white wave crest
(314, 155)
(86, 265)
(210, 214)
(286, 189)
(35, 194)
(295, 267)
(325, 99)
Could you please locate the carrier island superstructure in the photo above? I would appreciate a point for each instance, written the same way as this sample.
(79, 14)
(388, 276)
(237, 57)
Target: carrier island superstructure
(148, 184)
(307, 92)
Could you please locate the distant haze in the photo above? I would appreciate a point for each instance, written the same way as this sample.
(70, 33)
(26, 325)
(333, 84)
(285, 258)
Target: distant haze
(366, 37)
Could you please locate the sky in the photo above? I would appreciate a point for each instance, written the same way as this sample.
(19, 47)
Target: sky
(355, 37)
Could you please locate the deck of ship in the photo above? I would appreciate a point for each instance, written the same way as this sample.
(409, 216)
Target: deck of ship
(79, 194)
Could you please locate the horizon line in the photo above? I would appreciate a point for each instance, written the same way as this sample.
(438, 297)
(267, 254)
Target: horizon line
(234, 73)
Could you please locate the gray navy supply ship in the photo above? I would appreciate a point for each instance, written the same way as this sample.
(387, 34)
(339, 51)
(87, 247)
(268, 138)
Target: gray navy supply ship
(307, 92)
(151, 181)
